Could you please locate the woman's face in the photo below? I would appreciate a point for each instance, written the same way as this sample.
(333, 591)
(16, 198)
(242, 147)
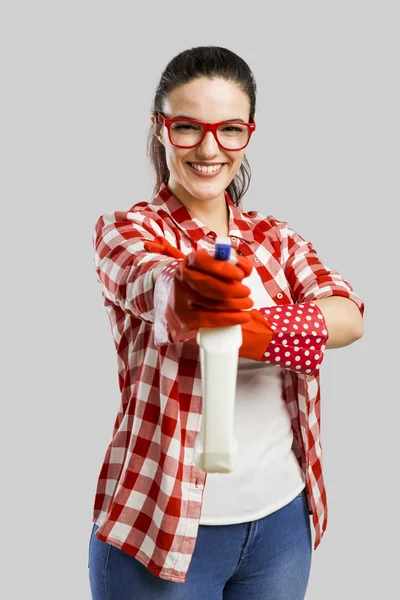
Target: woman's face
(209, 100)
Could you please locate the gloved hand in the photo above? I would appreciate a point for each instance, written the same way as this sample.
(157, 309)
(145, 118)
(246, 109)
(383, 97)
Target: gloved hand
(255, 331)
(207, 276)
(201, 282)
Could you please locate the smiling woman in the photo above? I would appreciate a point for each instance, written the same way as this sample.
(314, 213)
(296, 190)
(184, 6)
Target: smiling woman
(163, 528)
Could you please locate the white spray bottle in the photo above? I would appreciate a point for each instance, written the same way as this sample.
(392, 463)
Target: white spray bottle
(216, 446)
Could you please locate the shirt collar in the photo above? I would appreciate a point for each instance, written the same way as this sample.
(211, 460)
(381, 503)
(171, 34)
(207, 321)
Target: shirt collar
(240, 225)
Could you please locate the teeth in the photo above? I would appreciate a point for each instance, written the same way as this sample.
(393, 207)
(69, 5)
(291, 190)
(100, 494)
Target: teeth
(204, 169)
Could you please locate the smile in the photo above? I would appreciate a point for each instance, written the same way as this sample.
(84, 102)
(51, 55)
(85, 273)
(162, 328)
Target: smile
(204, 171)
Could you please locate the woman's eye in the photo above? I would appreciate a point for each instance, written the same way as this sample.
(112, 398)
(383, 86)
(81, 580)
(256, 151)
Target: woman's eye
(184, 125)
(233, 128)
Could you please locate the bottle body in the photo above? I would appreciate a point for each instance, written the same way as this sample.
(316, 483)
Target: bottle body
(216, 447)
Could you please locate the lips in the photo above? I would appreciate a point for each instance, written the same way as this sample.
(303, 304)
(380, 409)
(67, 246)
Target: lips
(205, 164)
(206, 174)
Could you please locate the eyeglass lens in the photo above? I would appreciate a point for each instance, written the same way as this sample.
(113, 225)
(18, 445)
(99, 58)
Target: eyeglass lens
(232, 136)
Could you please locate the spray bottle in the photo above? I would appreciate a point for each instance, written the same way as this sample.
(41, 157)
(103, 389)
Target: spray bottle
(216, 446)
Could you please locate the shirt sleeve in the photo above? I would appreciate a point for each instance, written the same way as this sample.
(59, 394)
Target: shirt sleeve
(123, 266)
(308, 277)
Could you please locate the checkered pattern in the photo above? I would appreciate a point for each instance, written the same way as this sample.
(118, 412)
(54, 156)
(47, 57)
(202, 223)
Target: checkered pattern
(149, 493)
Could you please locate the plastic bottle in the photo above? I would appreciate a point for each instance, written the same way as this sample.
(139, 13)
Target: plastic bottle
(216, 446)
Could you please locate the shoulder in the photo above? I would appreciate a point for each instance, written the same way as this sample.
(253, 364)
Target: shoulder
(140, 217)
(255, 217)
(273, 227)
(261, 224)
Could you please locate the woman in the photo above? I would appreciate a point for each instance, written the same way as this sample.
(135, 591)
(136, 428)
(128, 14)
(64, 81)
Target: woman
(162, 528)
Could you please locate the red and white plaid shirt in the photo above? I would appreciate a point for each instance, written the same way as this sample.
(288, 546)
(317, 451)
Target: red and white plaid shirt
(149, 493)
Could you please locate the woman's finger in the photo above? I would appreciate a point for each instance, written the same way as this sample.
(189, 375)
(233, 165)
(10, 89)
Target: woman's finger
(213, 287)
(202, 261)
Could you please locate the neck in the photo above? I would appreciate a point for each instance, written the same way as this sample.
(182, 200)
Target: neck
(212, 212)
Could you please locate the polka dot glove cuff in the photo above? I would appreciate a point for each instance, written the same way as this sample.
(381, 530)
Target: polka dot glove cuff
(299, 337)
(292, 336)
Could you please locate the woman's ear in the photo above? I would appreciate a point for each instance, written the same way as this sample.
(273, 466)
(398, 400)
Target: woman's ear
(156, 127)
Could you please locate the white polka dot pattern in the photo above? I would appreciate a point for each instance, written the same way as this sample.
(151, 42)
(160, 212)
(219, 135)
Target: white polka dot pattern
(290, 346)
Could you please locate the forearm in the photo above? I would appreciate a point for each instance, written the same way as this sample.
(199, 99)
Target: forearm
(343, 321)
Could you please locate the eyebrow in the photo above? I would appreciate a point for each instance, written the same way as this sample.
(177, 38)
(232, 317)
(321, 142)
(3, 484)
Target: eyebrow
(225, 120)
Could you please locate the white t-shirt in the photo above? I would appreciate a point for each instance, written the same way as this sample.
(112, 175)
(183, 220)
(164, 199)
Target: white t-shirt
(268, 475)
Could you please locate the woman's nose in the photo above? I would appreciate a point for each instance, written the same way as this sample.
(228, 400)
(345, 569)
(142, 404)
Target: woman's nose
(209, 145)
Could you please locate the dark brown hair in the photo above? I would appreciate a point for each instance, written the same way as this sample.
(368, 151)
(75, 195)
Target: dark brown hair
(210, 62)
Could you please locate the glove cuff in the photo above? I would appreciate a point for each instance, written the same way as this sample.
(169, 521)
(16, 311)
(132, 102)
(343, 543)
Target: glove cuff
(299, 337)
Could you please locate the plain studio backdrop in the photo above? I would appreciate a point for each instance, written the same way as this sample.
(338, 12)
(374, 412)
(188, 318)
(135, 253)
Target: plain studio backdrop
(77, 80)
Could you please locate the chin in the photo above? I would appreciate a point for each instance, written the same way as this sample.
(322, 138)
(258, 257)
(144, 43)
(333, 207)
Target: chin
(213, 185)
(207, 189)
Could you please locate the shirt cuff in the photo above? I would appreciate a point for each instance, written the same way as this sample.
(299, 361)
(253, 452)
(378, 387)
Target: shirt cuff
(163, 289)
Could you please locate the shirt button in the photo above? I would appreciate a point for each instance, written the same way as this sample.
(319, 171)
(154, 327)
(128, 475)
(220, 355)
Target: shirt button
(233, 239)
(279, 295)
(256, 259)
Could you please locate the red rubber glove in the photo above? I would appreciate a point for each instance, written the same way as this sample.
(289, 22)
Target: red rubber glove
(294, 337)
(198, 281)
(256, 332)
(209, 277)
(257, 336)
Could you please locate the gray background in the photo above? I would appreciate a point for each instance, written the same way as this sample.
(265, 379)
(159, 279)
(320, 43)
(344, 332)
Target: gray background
(77, 82)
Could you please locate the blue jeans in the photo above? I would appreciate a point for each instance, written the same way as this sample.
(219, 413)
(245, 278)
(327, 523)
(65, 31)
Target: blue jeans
(269, 558)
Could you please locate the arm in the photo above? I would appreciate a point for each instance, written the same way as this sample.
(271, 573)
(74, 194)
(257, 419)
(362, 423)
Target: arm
(311, 280)
(123, 266)
(330, 314)
(343, 320)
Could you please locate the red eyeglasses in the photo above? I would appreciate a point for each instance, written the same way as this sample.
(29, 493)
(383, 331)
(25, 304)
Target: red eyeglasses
(188, 133)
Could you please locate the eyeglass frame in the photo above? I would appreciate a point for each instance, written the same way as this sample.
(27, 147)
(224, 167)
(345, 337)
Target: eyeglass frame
(207, 127)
